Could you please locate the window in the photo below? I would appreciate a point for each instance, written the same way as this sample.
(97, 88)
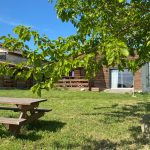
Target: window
(121, 79)
(71, 73)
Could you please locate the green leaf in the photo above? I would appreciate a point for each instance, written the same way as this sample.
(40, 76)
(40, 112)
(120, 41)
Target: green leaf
(121, 1)
(125, 52)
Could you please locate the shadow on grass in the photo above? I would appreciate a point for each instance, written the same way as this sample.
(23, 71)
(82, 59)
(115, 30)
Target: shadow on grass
(57, 145)
(33, 136)
(28, 136)
(121, 113)
(138, 136)
(43, 125)
(129, 111)
(138, 140)
(113, 106)
(89, 144)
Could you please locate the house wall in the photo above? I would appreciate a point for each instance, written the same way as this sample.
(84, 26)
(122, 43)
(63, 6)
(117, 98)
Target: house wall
(138, 80)
(77, 73)
(10, 82)
(1, 81)
(102, 79)
(15, 59)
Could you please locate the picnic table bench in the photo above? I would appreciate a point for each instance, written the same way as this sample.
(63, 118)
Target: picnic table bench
(28, 109)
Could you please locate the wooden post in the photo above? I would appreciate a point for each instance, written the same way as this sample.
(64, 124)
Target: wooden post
(15, 129)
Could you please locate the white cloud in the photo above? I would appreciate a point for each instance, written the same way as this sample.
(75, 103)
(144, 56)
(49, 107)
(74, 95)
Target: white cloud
(14, 23)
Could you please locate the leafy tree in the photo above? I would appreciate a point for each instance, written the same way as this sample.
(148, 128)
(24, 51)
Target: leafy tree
(115, 25)
(108, 33)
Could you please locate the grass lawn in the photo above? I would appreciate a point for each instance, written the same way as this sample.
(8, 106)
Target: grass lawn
(81, 120)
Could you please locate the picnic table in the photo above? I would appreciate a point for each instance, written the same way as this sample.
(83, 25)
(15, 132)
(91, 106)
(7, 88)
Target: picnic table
(28, 109)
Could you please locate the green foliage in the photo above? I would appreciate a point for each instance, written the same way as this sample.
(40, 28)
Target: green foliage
(108, 33)
(111, 23)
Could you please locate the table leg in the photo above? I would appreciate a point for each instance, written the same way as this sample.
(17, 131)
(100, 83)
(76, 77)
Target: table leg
(14, 128)
(27, 108)
(24, 115)
(35, 116)
(33, 113)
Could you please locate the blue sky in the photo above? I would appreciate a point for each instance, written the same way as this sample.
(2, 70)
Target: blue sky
(39, 14)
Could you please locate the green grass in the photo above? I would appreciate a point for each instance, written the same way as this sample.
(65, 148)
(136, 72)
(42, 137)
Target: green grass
(81, 120)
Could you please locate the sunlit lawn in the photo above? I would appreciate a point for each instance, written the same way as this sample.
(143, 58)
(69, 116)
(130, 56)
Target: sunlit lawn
(80, 120)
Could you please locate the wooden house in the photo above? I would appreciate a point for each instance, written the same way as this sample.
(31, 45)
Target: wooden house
(107, 79)
(110, 80)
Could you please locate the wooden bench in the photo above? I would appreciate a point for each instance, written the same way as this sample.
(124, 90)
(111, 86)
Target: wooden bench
(16, 109)
(12, 124)
(28, 109)
(12, 121)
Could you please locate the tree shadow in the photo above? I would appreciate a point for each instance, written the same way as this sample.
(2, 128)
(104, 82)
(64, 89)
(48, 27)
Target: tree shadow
(138, 136)
(112, 106)
(69, 146)
(91, 144)
(43, 125)
(33, 136)
(138, 140)
(88, 144)
(130, 111)
(120, 113)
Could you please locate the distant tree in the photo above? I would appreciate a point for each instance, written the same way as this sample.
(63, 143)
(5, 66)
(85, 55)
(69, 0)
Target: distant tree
(108, 33)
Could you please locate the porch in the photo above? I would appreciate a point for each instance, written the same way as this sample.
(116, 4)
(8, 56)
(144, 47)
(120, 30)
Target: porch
(73, 82)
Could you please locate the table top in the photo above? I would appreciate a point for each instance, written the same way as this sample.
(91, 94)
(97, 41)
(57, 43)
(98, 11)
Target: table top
(20, 101)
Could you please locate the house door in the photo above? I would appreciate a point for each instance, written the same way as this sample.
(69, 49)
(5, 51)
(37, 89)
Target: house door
(114, 78)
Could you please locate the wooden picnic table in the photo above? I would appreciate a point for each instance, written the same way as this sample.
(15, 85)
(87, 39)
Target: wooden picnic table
(28, 109)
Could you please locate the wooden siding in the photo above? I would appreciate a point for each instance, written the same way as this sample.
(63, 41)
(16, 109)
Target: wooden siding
(102, 79)
(138, 80)
(72, 83)
(8, 82)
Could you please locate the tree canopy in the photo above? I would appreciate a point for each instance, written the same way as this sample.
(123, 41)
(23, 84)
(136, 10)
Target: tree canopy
(108, 33)
(117, 26)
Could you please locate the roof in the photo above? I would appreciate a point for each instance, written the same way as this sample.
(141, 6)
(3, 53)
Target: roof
(16, 52)
(3, 50)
